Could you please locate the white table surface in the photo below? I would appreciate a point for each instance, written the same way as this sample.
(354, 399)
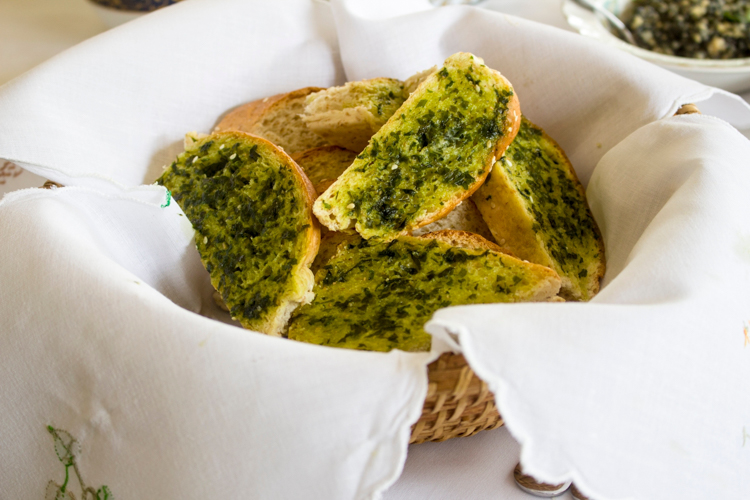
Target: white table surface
(479, 467)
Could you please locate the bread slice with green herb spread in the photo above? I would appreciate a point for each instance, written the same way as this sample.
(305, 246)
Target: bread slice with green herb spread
(377, 296)
(349, 115)
(433, 153)
(323, 165)
(276, 118)
(250, 206)
(536, 209)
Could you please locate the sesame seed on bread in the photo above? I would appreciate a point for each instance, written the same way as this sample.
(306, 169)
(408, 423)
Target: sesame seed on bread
(433, 153)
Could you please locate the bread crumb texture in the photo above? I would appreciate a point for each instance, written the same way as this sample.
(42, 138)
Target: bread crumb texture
(431, 154)
(377, 296)
(276, 118)
(349, 115)
(536, 209)
(254, 230)
(465, 217)
(324, 165)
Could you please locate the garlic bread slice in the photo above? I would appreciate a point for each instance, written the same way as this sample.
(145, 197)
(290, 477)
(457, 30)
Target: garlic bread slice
(377, 296)
(537, 210)
(434, 152)
(250, 206)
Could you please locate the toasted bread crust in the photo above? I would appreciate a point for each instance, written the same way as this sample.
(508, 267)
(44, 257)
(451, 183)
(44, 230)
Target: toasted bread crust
(245, 117)
(465, 217)
(249, 118)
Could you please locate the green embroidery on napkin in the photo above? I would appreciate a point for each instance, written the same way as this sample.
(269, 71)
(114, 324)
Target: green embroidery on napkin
(66, 449)
(169, 199)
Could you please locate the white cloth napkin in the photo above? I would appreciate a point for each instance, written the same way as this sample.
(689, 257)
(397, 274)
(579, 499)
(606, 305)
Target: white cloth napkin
(638, 391)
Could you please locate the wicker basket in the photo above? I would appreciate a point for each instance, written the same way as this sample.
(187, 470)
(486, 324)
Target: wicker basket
(458, 403)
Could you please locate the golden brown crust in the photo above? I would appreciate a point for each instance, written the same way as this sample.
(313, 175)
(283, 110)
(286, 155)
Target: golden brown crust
(507, 216)
(244, 118)
(463, 239)
(275, 118)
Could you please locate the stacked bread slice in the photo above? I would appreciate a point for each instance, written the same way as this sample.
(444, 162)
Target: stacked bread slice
(433, 153)
(377, 296)
(428, 194)
(249, 204)
(276, 118)
(537, 210)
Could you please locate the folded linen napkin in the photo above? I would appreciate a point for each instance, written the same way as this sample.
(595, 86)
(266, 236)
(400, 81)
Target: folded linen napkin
(101, 342)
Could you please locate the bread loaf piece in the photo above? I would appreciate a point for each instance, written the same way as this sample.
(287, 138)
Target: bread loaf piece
(250, 206)
(349, 115)
(329, 244)
(378, 296)
(431, 155)
(276, 118)
(536, 209)
(323, 165)
(413, 82)
(465, 217)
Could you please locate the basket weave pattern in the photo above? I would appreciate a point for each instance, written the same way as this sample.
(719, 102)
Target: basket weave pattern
(458, 403)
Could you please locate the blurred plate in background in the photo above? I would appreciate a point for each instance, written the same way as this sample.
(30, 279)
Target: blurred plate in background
(728, 74)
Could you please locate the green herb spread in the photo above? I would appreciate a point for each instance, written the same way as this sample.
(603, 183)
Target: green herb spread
(377, 296)
(251, 220)
(433, 149)
(554, 199)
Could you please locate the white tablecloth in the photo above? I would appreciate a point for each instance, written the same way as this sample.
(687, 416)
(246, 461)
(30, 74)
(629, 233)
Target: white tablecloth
(32, 31)
(479, 467)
